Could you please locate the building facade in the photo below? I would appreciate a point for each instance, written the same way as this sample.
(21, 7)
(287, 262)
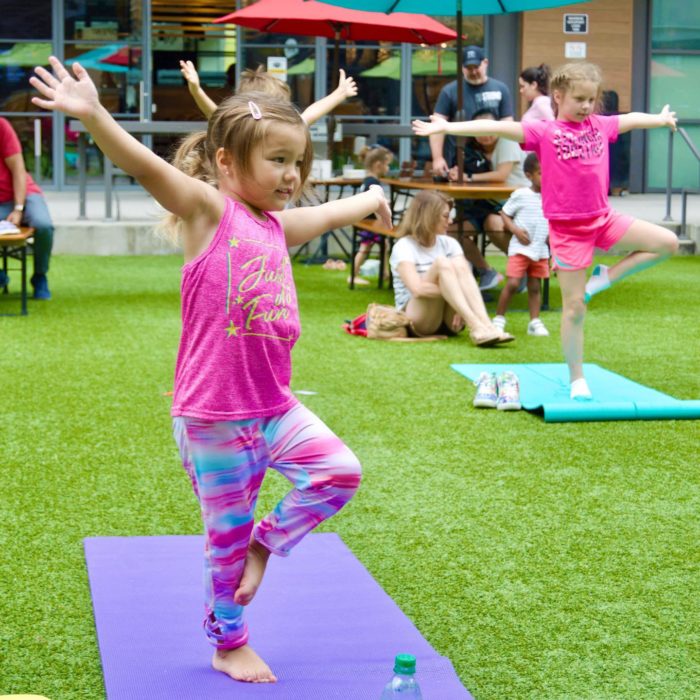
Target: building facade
(649, 51)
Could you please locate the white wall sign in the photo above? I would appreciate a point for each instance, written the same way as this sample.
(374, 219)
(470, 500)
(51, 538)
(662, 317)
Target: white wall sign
(575, 24)
(277, 66)
(575, 49)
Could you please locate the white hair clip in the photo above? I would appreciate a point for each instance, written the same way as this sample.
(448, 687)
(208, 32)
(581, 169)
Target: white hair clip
(254, 110)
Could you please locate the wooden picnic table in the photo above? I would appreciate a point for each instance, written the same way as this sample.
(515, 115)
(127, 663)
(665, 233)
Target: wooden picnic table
(467, 190)
(14, 245)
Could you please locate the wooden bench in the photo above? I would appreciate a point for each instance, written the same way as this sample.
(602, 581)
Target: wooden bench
(386, 234)
(14, 245)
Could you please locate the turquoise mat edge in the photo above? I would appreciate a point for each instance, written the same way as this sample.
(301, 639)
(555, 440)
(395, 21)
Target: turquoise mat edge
(637, 402)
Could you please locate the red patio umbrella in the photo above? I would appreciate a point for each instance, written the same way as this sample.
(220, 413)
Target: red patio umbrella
(311, 18)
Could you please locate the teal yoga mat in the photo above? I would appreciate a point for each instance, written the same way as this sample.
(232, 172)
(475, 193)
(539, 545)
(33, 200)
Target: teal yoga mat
(544, 389)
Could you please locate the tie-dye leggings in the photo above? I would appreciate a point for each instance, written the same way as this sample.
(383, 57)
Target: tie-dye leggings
(226, 461)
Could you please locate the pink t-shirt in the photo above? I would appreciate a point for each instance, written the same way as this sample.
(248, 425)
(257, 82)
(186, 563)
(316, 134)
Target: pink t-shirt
(239, 323)
(541, 108)
(574, 159)
(10, 146)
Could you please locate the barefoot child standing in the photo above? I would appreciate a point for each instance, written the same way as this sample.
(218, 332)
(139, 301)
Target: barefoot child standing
(233, 410)
(573, 152)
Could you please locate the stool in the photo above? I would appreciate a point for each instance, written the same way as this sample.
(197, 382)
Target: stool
(14, 245)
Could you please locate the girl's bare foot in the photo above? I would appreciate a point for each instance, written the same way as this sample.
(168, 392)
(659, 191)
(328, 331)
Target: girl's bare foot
(255, 563)
(242, 664)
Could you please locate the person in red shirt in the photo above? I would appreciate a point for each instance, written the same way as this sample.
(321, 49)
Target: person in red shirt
(22, 203)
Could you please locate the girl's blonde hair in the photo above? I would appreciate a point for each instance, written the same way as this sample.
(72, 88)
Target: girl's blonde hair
(259, 80)
(371, 155)
(422, 216)
(568, 74)
(234, 127)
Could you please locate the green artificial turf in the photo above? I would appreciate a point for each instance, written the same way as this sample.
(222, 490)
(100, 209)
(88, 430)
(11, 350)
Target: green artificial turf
(545, 560)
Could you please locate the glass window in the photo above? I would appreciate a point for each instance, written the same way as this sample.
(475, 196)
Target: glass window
(25, 130)
(26, 20)
(675, 25)
(115, 69)
(102, 20)
(379, 90)
(675, 68)
(432, 68)
(672, 76)
(686, 169)
(17, 62)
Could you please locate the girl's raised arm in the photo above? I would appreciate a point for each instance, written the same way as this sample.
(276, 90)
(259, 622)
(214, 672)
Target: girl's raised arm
(304, 223)
(477, 127)
(641, 120)
(346, 88)
(77, 97)
(206, 105)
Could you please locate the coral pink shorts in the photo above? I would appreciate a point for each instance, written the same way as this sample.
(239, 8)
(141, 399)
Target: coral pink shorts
(519, 265)
(572, 242)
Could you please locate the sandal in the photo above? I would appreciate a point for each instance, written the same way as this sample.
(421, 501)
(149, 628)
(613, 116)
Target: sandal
(486, 338)
(505, 338)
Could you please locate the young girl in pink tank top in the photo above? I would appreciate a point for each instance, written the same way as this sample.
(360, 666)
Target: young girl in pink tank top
(233, 411)
(573, 152)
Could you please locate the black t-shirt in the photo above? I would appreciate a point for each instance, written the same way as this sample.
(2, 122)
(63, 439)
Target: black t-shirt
(493, 95)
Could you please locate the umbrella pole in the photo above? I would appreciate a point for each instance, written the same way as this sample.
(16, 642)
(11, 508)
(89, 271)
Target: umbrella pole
(330, 120)
(460, 97)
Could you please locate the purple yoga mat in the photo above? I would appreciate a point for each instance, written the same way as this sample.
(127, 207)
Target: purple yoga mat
(323, 624)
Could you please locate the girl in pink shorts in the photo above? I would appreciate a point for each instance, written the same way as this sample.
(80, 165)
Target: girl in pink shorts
(573, 152)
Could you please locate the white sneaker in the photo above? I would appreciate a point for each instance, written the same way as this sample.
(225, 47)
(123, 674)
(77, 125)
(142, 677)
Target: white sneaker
(499, 322)
(486, 390)
(508, 392)
(536, 327)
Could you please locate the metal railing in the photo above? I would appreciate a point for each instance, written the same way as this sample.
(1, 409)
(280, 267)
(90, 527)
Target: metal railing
(669, 175)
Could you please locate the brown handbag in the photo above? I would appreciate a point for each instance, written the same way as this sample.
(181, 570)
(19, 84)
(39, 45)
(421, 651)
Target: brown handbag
(388, 323)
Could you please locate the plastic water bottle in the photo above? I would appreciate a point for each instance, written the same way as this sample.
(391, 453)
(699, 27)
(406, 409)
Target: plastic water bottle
(403, 686)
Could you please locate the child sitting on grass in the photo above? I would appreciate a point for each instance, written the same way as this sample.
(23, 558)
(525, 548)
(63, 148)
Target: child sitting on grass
(528, 253)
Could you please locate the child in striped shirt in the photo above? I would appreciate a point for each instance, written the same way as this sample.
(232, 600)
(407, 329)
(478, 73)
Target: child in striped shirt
(528, 253)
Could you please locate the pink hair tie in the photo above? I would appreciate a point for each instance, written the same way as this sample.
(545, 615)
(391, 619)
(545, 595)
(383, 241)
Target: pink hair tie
(254, 110)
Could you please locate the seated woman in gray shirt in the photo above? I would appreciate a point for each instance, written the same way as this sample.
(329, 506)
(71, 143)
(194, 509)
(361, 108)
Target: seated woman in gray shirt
(433, 283)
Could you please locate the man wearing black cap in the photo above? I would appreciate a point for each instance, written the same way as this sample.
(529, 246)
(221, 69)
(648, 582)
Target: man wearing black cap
(480, 92)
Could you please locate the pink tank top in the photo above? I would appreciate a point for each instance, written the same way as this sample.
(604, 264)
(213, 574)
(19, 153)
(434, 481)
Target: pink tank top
(239, 323)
